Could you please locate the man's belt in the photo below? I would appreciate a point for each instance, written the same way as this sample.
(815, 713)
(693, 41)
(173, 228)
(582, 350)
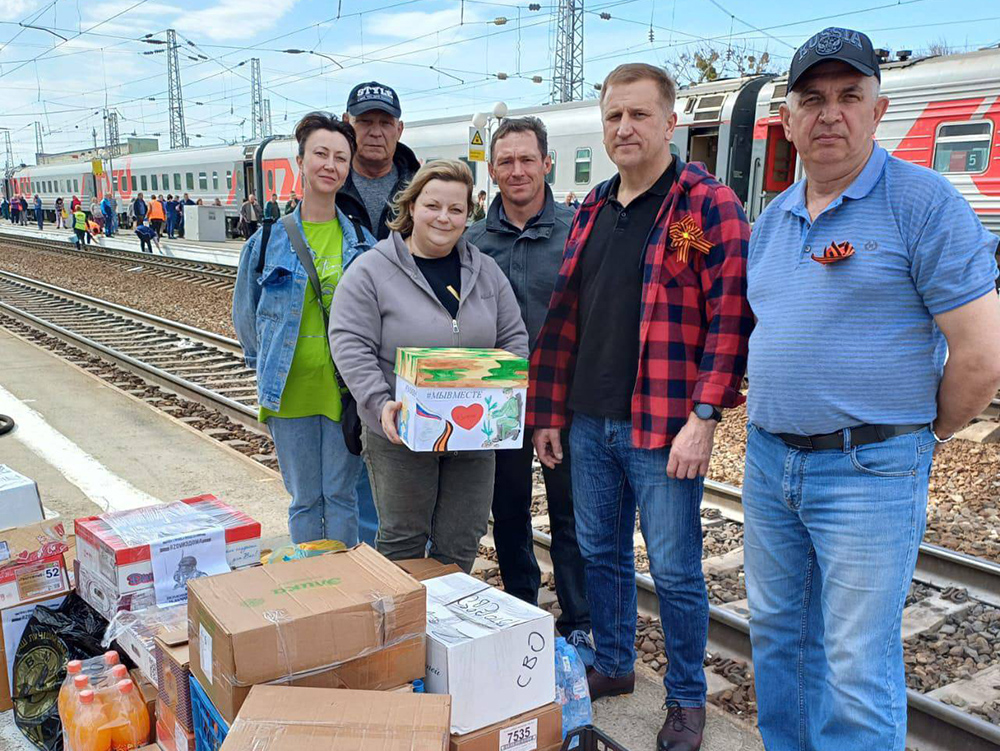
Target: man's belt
(860, 436)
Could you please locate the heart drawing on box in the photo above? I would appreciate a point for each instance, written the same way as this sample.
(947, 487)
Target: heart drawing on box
(467, 417)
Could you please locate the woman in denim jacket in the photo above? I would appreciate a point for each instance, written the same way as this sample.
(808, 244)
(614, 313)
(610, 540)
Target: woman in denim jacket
(283, 333)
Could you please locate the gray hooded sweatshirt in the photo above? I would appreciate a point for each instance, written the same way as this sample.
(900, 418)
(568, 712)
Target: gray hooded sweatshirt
(384, 302)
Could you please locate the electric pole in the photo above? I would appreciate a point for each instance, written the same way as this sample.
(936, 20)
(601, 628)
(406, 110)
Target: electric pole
(178, 132)
(256, 101)
(567, 67)
(267, 117)
(39, 149)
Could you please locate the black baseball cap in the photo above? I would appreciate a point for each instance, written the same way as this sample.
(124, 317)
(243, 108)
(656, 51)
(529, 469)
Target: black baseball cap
(373, 95)
(833, 43)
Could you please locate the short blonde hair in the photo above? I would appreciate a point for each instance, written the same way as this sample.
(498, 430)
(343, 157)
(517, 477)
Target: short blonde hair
(632, 72)
(448, 170)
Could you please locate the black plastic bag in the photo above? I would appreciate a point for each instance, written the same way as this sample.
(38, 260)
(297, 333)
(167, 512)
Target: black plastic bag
(53, 637)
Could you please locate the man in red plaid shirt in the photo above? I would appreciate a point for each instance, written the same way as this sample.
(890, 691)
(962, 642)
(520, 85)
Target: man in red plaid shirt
(644, 344)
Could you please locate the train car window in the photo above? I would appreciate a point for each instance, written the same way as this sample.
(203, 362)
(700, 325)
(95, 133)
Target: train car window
(142, 179)
(709, 107)
(189, 176)
(215, 181)
(76, 186)
(778, 97)
(229, 179)
(155, 181)
(551, 177)
(166, 182)
(177, 181)
(202, 181)
(582, 172)
(270, 181)
(689, 105)
(123, 182)
(134, 188)
(963, 147)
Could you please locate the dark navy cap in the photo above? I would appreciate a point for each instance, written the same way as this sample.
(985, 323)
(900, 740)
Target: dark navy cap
(366, 97)
(833, 43)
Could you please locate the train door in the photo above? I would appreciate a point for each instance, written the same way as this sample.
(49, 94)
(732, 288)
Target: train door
(779, 163)
(738, 138)
(703, 146)
(246, 183)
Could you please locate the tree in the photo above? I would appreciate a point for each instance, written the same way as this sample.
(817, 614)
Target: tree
(707, 63)
(940, 46)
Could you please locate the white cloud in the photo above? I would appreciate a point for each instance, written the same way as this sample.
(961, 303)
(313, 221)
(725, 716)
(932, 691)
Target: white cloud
(234, 19)
(14, 10)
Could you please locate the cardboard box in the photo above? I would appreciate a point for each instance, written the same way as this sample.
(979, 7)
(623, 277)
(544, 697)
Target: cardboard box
(113, 549)
(538, 729)
(135, 633)
(457, 399)
(173, 668)
(427, 568)
(170, 734)
(148, 692)
(278, 718)
(492, 652)
(13, 621)
(32, 562)
(317, 619)
(20, 503)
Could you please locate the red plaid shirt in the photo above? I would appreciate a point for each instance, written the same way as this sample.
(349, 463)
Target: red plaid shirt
(701, 305)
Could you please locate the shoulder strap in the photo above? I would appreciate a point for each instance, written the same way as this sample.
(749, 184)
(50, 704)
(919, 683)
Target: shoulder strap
(305, 258)
(265, 236)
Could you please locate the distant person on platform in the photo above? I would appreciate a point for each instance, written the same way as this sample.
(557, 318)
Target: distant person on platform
(74, 204)
(15, 209)
(139, 210)
(39, 215)
(24, 211)
(5, 208)
(147, 237)
(60, 211)
(382, 165)
(281, 323)
(291, 203)
(525, 232)
(108, 213)
(272, 210)
(170, 207)
(80, 227)
(479, 210)
(571, 201)
(249, 216)
(156, 214)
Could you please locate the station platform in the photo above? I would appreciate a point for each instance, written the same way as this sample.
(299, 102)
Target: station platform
(92, 448)
(226, 252)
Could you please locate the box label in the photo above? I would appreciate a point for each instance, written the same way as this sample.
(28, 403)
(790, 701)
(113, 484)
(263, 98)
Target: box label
(39, 579)
(177, 560)
(205, 652)
(522, 737)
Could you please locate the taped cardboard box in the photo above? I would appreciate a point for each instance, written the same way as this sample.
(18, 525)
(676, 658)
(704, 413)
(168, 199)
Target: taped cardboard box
(422, 569)
(279, 718)
(460, 399)
(492, 652)
(170, 734)
(538, 729)
(173, 669)
(32, 562)
(348, 618)
(116, 570)
(20, 503)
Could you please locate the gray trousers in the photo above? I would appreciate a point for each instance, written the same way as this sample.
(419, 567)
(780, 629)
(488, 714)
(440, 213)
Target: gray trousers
(421, 497)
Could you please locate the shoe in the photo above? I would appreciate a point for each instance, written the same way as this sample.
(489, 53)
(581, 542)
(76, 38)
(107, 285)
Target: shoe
(600, 685)
(581, 641)
(683, 728)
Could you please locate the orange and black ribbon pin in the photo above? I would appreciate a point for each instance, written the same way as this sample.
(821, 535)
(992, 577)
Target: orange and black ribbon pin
(686, 234)
(835, 252)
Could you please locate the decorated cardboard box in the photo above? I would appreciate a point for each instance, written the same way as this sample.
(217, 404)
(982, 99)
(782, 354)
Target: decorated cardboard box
(32, 563)
(456, 399)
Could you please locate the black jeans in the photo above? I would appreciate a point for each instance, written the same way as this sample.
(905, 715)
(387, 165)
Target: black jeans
(512, 534)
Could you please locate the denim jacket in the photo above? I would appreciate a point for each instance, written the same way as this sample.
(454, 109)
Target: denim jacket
(267, 308)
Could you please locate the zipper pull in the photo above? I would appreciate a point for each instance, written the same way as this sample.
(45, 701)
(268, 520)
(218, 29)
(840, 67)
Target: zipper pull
(454, 326)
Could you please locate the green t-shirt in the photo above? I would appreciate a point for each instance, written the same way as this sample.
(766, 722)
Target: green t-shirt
(311, 386)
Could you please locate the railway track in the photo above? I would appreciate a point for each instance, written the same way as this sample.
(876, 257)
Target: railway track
(209, 369)
(201, 366)
(214, 275)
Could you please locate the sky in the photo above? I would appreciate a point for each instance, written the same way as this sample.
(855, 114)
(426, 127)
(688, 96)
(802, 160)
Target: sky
(443, 57)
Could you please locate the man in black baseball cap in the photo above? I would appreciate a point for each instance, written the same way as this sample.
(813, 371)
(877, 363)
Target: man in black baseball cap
(833, 43)
(382, 165)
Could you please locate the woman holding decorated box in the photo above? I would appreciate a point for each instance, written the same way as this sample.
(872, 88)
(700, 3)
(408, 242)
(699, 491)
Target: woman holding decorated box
(423, 286)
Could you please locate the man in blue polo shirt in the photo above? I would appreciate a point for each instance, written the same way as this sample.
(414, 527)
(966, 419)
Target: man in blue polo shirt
(862, 276)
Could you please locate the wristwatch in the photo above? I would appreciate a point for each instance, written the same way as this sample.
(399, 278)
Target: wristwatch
(707, 412)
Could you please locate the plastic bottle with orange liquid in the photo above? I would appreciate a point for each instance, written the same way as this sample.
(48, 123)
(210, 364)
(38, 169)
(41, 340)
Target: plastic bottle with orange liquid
(89, 730)
(130, 726)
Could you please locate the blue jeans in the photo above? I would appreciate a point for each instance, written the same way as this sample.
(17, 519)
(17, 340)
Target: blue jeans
(322, 477)
(610, 477)
(171, 223)
(831, 540)
(367, 514)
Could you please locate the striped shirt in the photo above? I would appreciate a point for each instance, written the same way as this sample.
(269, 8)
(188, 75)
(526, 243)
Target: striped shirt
(854, 341)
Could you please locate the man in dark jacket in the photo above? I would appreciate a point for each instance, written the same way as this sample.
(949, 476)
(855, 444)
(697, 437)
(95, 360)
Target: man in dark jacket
(139, 209)
(525, 232)
(382, 165)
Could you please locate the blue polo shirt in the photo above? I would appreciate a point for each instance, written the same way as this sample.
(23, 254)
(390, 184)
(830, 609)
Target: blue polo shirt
(852, 342)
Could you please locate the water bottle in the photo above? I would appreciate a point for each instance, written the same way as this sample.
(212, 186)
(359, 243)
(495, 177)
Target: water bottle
(572, 692)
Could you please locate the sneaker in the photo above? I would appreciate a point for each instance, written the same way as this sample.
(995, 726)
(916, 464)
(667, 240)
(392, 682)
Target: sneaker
(683, 728)
(581, 641)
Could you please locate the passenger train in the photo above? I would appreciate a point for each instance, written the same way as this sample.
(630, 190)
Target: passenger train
(944, 114)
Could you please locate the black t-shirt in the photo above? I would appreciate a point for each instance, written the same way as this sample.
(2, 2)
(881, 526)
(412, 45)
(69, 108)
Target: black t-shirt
(611, 269)
(442, 274)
